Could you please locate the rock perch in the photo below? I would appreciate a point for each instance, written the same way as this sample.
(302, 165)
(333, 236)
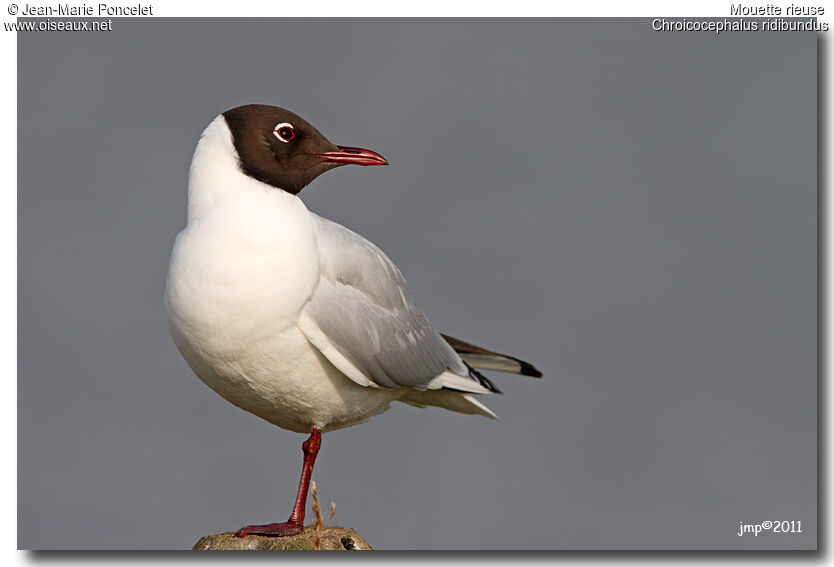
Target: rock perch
(332, 538)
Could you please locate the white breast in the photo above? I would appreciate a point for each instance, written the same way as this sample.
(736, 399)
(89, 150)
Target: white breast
(248, 259)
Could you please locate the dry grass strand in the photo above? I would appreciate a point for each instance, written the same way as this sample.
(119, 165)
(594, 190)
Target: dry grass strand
(319, 521)
(319, 517)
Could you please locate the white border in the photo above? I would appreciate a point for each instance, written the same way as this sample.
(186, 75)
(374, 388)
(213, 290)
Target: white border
(251, 8)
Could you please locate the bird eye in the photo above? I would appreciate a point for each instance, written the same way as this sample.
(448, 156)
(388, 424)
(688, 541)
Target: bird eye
(284, 132)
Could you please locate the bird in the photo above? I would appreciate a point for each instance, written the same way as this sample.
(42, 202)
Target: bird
(291, 316)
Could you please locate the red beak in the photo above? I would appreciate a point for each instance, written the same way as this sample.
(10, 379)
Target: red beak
(356, 156)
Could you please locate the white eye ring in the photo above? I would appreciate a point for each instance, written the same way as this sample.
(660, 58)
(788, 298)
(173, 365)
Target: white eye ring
(279, 127)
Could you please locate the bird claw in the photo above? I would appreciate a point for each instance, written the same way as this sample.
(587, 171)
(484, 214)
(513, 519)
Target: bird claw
(272, 530)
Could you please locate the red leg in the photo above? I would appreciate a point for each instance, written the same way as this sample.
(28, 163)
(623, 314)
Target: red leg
(295, 525)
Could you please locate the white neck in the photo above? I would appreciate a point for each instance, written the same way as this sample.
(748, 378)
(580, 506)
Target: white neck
(215, 177)
(243, 211)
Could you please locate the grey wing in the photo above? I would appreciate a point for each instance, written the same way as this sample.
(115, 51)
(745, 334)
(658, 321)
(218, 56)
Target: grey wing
(364, 321)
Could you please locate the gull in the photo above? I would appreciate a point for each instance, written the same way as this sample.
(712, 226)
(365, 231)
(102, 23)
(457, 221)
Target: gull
(291, 316)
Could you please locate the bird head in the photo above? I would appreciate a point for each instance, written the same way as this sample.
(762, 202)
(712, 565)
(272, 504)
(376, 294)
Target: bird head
(278, 147)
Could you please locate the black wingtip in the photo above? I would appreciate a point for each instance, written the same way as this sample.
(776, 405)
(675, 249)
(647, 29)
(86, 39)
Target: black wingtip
(528, 369)
(463, 349)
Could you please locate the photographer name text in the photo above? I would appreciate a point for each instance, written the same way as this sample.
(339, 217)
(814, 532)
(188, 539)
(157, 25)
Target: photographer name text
(32, 10)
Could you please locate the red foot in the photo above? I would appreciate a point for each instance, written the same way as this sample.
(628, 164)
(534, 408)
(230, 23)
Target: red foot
(273, 530)
(295, 524)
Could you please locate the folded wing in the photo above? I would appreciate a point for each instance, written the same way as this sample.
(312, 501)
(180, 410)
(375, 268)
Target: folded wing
(364, 321)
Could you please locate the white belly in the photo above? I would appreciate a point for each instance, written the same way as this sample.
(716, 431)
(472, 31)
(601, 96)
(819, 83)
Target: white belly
(233, 298)
(285, 381)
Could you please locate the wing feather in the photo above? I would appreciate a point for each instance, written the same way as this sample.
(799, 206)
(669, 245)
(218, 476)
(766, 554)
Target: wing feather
(363, 319)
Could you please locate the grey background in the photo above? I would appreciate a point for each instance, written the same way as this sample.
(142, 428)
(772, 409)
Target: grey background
(634, 212)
